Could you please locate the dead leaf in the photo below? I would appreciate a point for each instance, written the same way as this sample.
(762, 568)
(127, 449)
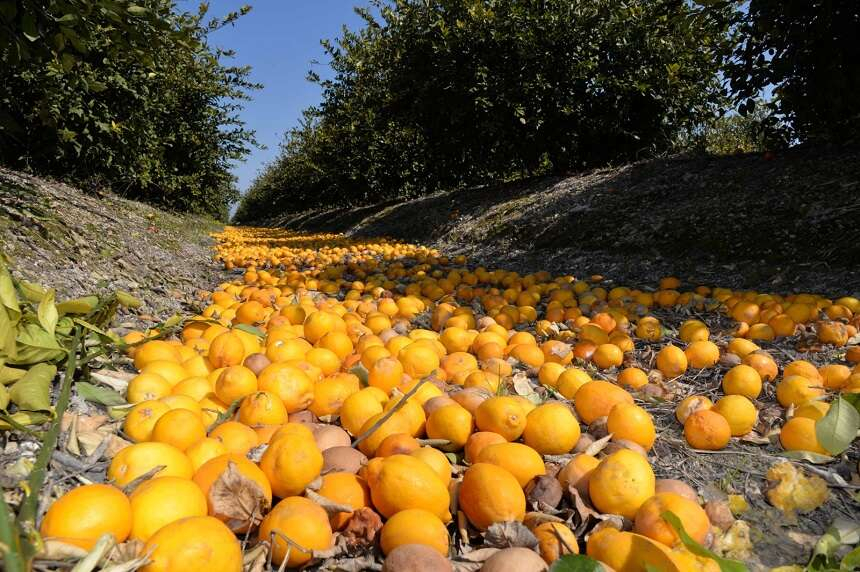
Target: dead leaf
(534, 518)
(125, 551)
(472, 561)
(509, 534)
(543, 491)
(598, 445)
(362, 527)
(256, 559)
(55, 550)
(582, 511)
(351, 564)
(237, 500)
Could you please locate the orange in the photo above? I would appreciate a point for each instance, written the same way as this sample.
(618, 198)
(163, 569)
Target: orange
(147, 387)
(290, 463)
(436, 460)
(302, 521)
(503, 415)
(707, 429)
(523, 462)
(139, 459)
(835, 376)
(763, 364)
(796, 390)
(182, 402)
(742, 380)
(162, 500)
(649, 519)
(171, 371)
(478, 441)
(453, 423)
(193, 543)
(691, 404)
(141, 419)
(361, 406)
(555, 540)
(397, 444)
(180, 428)
(631, 422)
(331, 392)
(551, 429)
(571, 380)
(204, 450)
(607, 355)
(414, 526)
(154, 350)
(290, 384)
(671, 361)
(235, 382)
(739, 411)
(83, 514)
(630, 552)
(400, 482)
(702, 353)
(194, 387)
(399, 422)
(633, 377)
(577, 472)
(226, 350)
(346, 489)
(621, 483)
(262, 408)
(490, 494)
(597, 398)
(214, 469)
(236, 437)
(798, 434)
(418, 360)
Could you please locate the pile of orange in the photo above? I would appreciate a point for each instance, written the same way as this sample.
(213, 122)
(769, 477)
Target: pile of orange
(326, 340)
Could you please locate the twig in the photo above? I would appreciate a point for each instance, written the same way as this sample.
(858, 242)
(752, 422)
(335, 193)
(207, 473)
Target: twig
(397, 407)
(27, 514)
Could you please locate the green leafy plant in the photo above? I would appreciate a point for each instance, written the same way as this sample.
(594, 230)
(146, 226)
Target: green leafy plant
(838, 428)
(725, 564)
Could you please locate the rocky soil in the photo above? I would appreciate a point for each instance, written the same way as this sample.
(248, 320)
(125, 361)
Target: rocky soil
(80, 243)
(783, 223)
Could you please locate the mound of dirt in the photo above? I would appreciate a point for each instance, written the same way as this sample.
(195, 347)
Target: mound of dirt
(785, 223)
(80, 243)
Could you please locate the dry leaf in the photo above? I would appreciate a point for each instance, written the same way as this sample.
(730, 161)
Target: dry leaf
(598, 445)
(509, 534)
(543, 491)
(116, 445)
(56, 550)
(257, 558)
(533, 519)
(238, 500)
(351, 564)
(128, 550)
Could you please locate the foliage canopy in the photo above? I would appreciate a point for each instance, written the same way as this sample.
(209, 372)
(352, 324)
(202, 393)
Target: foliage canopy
(125, 95)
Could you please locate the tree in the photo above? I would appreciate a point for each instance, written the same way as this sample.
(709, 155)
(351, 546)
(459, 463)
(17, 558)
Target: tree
(440, 94)
(807, 52)
(128, 96)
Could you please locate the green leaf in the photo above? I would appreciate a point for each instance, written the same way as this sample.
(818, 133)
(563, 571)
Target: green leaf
(9, 375)
(172, 321)
(576, 563)
(67, 19)
(35, 345)
(99, 394)
(47, 312)
(836, 430)
(851, 561)
(24, 418)
(28, 27)
(138, 11)
(251, 330)
(725, 564)
(33, 391)
(83, 305)
(8, 299)
(125, 299)
(4, 397)
(8, 347)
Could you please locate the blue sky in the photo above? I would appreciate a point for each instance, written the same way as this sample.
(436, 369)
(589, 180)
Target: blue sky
(279, 39)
